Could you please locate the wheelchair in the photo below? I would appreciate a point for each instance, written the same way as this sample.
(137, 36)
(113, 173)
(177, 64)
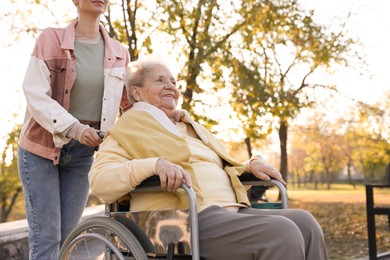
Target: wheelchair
(123, 234)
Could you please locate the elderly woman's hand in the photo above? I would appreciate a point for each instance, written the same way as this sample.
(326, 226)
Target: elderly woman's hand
(178, 115)
(171, 175)
(265, 171)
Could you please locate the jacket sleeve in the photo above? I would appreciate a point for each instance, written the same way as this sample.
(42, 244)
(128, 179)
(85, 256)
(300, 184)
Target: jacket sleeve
(37, 90)
(114, 174)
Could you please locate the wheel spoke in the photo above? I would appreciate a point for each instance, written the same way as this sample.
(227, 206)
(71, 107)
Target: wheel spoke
(101, 237)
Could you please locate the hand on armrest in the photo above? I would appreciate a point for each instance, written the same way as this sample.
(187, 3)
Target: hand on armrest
(171, 175)
(264, 171)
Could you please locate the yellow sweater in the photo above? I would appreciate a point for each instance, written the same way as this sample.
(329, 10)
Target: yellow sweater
(214, 183)
(145, 133)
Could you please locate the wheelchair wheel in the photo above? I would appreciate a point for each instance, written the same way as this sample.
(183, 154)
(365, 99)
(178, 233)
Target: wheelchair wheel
(137, 232)
(101, 238)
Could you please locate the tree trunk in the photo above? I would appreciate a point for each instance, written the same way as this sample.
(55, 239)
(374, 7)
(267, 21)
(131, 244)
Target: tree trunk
(349, 166)
(327, 176)
(387, 175)
(292, 178)
(314, 179)
(3, 210)
(6, 210)
(248, 146)
(299, 180)
(372, 171)
(283, 148)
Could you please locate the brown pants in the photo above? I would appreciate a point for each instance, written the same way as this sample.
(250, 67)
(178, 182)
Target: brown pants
(254, 234)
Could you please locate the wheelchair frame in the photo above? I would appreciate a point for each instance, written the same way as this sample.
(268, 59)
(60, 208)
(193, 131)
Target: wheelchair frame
(126, 233)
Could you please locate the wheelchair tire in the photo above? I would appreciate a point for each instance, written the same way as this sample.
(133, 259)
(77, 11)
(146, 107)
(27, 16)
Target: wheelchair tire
(137, 232)
(116, 234)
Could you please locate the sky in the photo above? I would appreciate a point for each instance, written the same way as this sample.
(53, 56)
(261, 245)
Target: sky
(369, 23)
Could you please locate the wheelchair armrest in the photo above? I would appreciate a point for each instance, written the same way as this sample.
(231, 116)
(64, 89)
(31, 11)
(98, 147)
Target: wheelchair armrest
(153, 184)
(150, 184)
(250, 180)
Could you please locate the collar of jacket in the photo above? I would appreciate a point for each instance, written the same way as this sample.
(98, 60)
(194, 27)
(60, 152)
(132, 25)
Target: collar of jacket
(161, 117)
(70, 35)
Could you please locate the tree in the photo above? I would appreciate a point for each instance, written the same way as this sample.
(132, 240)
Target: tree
(303, 140)
(348, 147)
(200, 31)
(321, 148)
(372, 136)
(131, 29)
(9, 178)
(298, 157)
(358, 139)
(121, 20)
(330, 156)
(278, 50)
(30, 17)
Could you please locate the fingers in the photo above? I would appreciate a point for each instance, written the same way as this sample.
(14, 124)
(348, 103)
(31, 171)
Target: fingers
(90, 137)
(174, 180)
(267, 176)
(171, 175)
(187, 179)
(178, 114)
(265, 171)
(279, 177)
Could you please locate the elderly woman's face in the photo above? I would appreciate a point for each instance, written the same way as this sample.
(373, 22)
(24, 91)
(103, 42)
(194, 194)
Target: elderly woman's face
(159, 89)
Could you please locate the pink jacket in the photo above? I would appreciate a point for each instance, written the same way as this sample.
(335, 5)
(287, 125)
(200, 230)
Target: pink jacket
(49, 79)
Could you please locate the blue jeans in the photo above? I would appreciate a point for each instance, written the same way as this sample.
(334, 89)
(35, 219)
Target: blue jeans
(55, 196)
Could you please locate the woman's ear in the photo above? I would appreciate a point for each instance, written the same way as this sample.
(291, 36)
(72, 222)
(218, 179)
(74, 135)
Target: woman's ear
(135, 93)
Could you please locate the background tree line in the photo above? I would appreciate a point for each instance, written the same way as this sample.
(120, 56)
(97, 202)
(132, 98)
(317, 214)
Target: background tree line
(358, 142)
(258, 58)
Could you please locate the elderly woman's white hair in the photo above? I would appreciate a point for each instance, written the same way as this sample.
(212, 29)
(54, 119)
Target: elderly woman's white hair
(137, 70)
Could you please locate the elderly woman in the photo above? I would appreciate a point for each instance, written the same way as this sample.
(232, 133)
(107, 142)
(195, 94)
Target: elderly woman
(155, 138)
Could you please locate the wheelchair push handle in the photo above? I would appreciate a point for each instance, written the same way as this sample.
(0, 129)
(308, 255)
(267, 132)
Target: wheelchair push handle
(101, 134)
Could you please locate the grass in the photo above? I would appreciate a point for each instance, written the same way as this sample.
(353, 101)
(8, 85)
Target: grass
(341, 212)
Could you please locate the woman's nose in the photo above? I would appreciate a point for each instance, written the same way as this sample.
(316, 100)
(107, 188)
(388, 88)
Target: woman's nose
(169, 85)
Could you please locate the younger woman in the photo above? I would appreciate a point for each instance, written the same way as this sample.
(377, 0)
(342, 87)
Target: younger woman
(73, 87)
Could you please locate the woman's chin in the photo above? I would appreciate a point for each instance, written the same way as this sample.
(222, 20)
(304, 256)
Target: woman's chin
(169, 105)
